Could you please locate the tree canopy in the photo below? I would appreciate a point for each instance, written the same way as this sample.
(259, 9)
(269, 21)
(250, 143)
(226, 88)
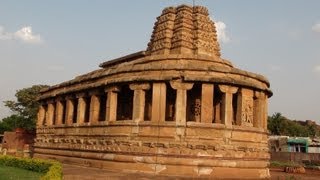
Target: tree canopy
(24, 109)
(280, 125)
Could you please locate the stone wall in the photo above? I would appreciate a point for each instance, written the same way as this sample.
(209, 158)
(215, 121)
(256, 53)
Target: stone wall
(295, 157)
(212, 126)
(15, 143)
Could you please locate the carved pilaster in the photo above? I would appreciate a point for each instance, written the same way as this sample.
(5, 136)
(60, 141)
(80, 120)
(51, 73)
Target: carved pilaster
(139, 100)
(158, 102)
(227, 109)
(245, 108)
(94, 106)
(69, 110)
(59, 111)
(207, 103)
(41, 115)
(81, 107)
(50, 113)
(112, 103)
(260, 110)
(181, 100)
(265, 112)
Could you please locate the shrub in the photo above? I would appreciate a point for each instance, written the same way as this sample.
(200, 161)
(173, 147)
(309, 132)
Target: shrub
(311, 163)
(55, 172)
(52, 168)
(283, 164)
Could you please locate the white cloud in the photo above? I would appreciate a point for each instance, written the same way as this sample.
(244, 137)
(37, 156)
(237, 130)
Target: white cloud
(24, 34)
(316, 28)
(221, 32)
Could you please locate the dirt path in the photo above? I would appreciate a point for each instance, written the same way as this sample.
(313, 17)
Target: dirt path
(277, 174)
(73, 172)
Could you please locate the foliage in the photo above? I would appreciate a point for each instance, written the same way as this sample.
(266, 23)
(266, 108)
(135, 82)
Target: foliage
(17, 173)
(276, 123)
(13, 121)
(311, 163)
(24, 109)
(278, 164)
(280, 125)
(53, 169)
(55, 172)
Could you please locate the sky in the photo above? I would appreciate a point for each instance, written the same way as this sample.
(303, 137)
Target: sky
(48, 42)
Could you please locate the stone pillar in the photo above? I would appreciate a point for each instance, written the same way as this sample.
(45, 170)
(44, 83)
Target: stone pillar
(159, 94)
(227, 114)
(46, 119)
(59, 111)
(265, 112)
(41, 115)
(261, 110)
(69, 110)
(111, 113)
(94, 106)
(181, 100)
(207, 103)
(81, 108)
(139, 100)
(50, 113)
(245, 108)
(258, 110)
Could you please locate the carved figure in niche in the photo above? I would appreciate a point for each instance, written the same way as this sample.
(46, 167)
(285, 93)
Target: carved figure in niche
(196, 108)
(170, 107)
(247, 115)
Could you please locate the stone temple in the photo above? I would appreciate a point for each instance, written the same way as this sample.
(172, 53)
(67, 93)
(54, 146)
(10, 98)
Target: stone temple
(176, 108)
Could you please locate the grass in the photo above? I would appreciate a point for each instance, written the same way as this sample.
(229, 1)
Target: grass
(14, 173)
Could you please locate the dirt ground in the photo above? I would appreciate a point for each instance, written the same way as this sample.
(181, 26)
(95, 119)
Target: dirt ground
(278, 174)
(72, 172)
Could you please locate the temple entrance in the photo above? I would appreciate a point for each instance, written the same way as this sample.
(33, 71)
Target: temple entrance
(125, 103)
(234, 108)
(87, 109)
(54, 113)
(103, 107)
(217, 104)
(63, 104)
(45, 119)
(194, 103)
(171, 96)
(148, 104)
(75, 110)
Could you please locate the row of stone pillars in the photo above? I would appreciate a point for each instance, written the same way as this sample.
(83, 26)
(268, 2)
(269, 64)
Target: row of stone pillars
(91, 107)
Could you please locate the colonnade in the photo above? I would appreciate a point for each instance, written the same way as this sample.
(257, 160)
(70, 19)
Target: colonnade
(234, 106)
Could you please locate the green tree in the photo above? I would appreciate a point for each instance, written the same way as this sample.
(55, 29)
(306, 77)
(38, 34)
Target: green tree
(11, 122)
(24, 109)
(280, 125)
(312, 130)
(276, 123)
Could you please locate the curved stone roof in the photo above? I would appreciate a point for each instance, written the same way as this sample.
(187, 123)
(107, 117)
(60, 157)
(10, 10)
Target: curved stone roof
(183, 45)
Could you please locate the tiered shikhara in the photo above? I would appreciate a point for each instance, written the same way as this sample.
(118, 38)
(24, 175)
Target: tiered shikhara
(176, 108)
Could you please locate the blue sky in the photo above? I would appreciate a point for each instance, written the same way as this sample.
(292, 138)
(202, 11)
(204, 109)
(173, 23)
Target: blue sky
(47, 42)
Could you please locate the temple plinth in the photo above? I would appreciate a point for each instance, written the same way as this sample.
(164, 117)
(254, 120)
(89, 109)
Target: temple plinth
(177, 108)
